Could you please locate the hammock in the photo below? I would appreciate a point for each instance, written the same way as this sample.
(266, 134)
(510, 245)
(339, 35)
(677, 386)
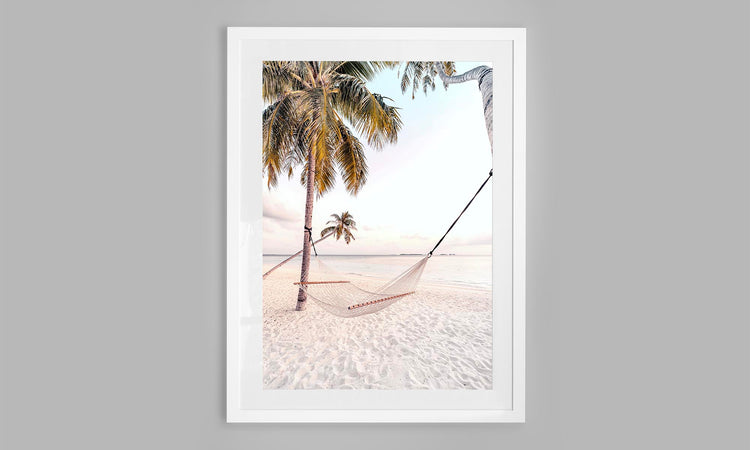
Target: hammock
(344, 299)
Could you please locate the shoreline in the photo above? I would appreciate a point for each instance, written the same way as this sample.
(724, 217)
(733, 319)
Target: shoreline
(370, 268)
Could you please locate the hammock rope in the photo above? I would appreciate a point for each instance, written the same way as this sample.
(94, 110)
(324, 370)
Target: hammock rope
(344, 299)
(312, 242)
(462, 212)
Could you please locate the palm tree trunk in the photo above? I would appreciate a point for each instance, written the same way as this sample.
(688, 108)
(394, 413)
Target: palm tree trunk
(305, 271)
(292, 257)
(483, 75)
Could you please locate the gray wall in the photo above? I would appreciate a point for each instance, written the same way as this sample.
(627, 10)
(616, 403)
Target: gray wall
(113, 224)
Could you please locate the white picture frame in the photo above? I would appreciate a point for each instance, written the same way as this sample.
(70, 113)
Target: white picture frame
(246, 49)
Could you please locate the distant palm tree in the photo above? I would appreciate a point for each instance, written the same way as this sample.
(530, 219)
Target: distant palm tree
(343, 225)
(314, 109)
(422, 73)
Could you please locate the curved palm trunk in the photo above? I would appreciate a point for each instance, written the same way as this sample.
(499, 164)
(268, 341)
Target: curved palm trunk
(483, 75)
(305, 271)
(292, 257)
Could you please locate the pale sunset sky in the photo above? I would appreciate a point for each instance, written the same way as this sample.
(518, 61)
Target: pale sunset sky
(415, 188)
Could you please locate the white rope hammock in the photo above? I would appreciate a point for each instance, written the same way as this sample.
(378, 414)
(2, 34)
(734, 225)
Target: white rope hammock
(345, 299)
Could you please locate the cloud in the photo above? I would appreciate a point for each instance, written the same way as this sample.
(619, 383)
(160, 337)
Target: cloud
(271, 225)
(414, 237)
(279, 212)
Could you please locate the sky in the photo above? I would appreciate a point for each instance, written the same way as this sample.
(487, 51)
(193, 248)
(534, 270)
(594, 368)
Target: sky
(415, 188)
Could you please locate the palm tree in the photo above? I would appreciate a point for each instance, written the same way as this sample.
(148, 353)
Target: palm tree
(422, 73)
(314, 109)
(342, 225)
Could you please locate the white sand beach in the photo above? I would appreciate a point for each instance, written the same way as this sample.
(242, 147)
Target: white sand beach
(438, 338)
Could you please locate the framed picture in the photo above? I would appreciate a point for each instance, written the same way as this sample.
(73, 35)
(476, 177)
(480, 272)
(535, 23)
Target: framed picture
(375, 225)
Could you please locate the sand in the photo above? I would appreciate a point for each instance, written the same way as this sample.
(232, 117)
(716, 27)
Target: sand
(438, 338)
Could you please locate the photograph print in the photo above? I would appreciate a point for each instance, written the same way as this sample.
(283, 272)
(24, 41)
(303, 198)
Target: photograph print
(377, 225)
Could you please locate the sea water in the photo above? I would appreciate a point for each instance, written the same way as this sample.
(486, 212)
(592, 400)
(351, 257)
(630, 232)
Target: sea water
(474, 271)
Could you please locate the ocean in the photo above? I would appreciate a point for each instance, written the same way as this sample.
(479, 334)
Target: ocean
(452, 270)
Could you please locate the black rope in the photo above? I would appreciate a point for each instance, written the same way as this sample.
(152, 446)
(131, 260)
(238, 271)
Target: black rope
(309, 230)
(462, 213)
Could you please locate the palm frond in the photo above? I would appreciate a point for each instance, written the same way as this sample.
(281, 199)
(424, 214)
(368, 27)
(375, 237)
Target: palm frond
(279, 126)
(421, 74)
(326, 231)
(428, 81)
(368, 112)
(351, 160)
(279, 78)
(450, 69)
(406, 78)
(364, 70)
